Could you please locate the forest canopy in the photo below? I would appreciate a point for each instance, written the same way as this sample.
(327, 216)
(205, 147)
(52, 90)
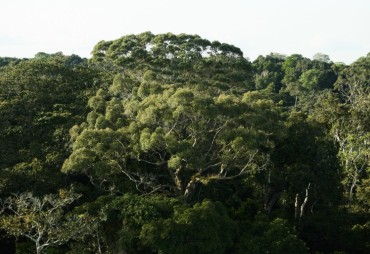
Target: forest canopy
(177, 144)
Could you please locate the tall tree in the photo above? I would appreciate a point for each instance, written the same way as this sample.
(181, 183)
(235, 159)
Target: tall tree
(150, 128)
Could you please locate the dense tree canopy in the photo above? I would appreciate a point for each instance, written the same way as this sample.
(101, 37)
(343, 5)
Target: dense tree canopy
(41, 99)
(176, 144)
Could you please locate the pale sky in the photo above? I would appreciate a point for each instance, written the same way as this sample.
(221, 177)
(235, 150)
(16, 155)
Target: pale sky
(338, 28)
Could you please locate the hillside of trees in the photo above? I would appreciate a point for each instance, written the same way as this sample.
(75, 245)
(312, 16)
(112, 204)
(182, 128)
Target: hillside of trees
(175, 144)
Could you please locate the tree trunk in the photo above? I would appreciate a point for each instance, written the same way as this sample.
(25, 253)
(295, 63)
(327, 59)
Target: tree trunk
(38, 248)
(177, 180)
(296, 206)
(304, 201)
(353, 185)
(191, 188)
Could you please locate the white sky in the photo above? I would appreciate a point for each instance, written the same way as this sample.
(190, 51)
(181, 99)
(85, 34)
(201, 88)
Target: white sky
(339, 28)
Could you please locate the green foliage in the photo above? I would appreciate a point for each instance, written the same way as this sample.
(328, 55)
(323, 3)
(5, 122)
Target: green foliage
(153, 127)
(42, 220)
(268, 71)
(40, 99)
(264, 236)
(303, 78)
(122, 218)
(4, 61)
(161, 131)
(178, 58)
(204, 228)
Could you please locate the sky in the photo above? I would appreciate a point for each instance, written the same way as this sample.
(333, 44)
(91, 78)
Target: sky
(338, 28)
